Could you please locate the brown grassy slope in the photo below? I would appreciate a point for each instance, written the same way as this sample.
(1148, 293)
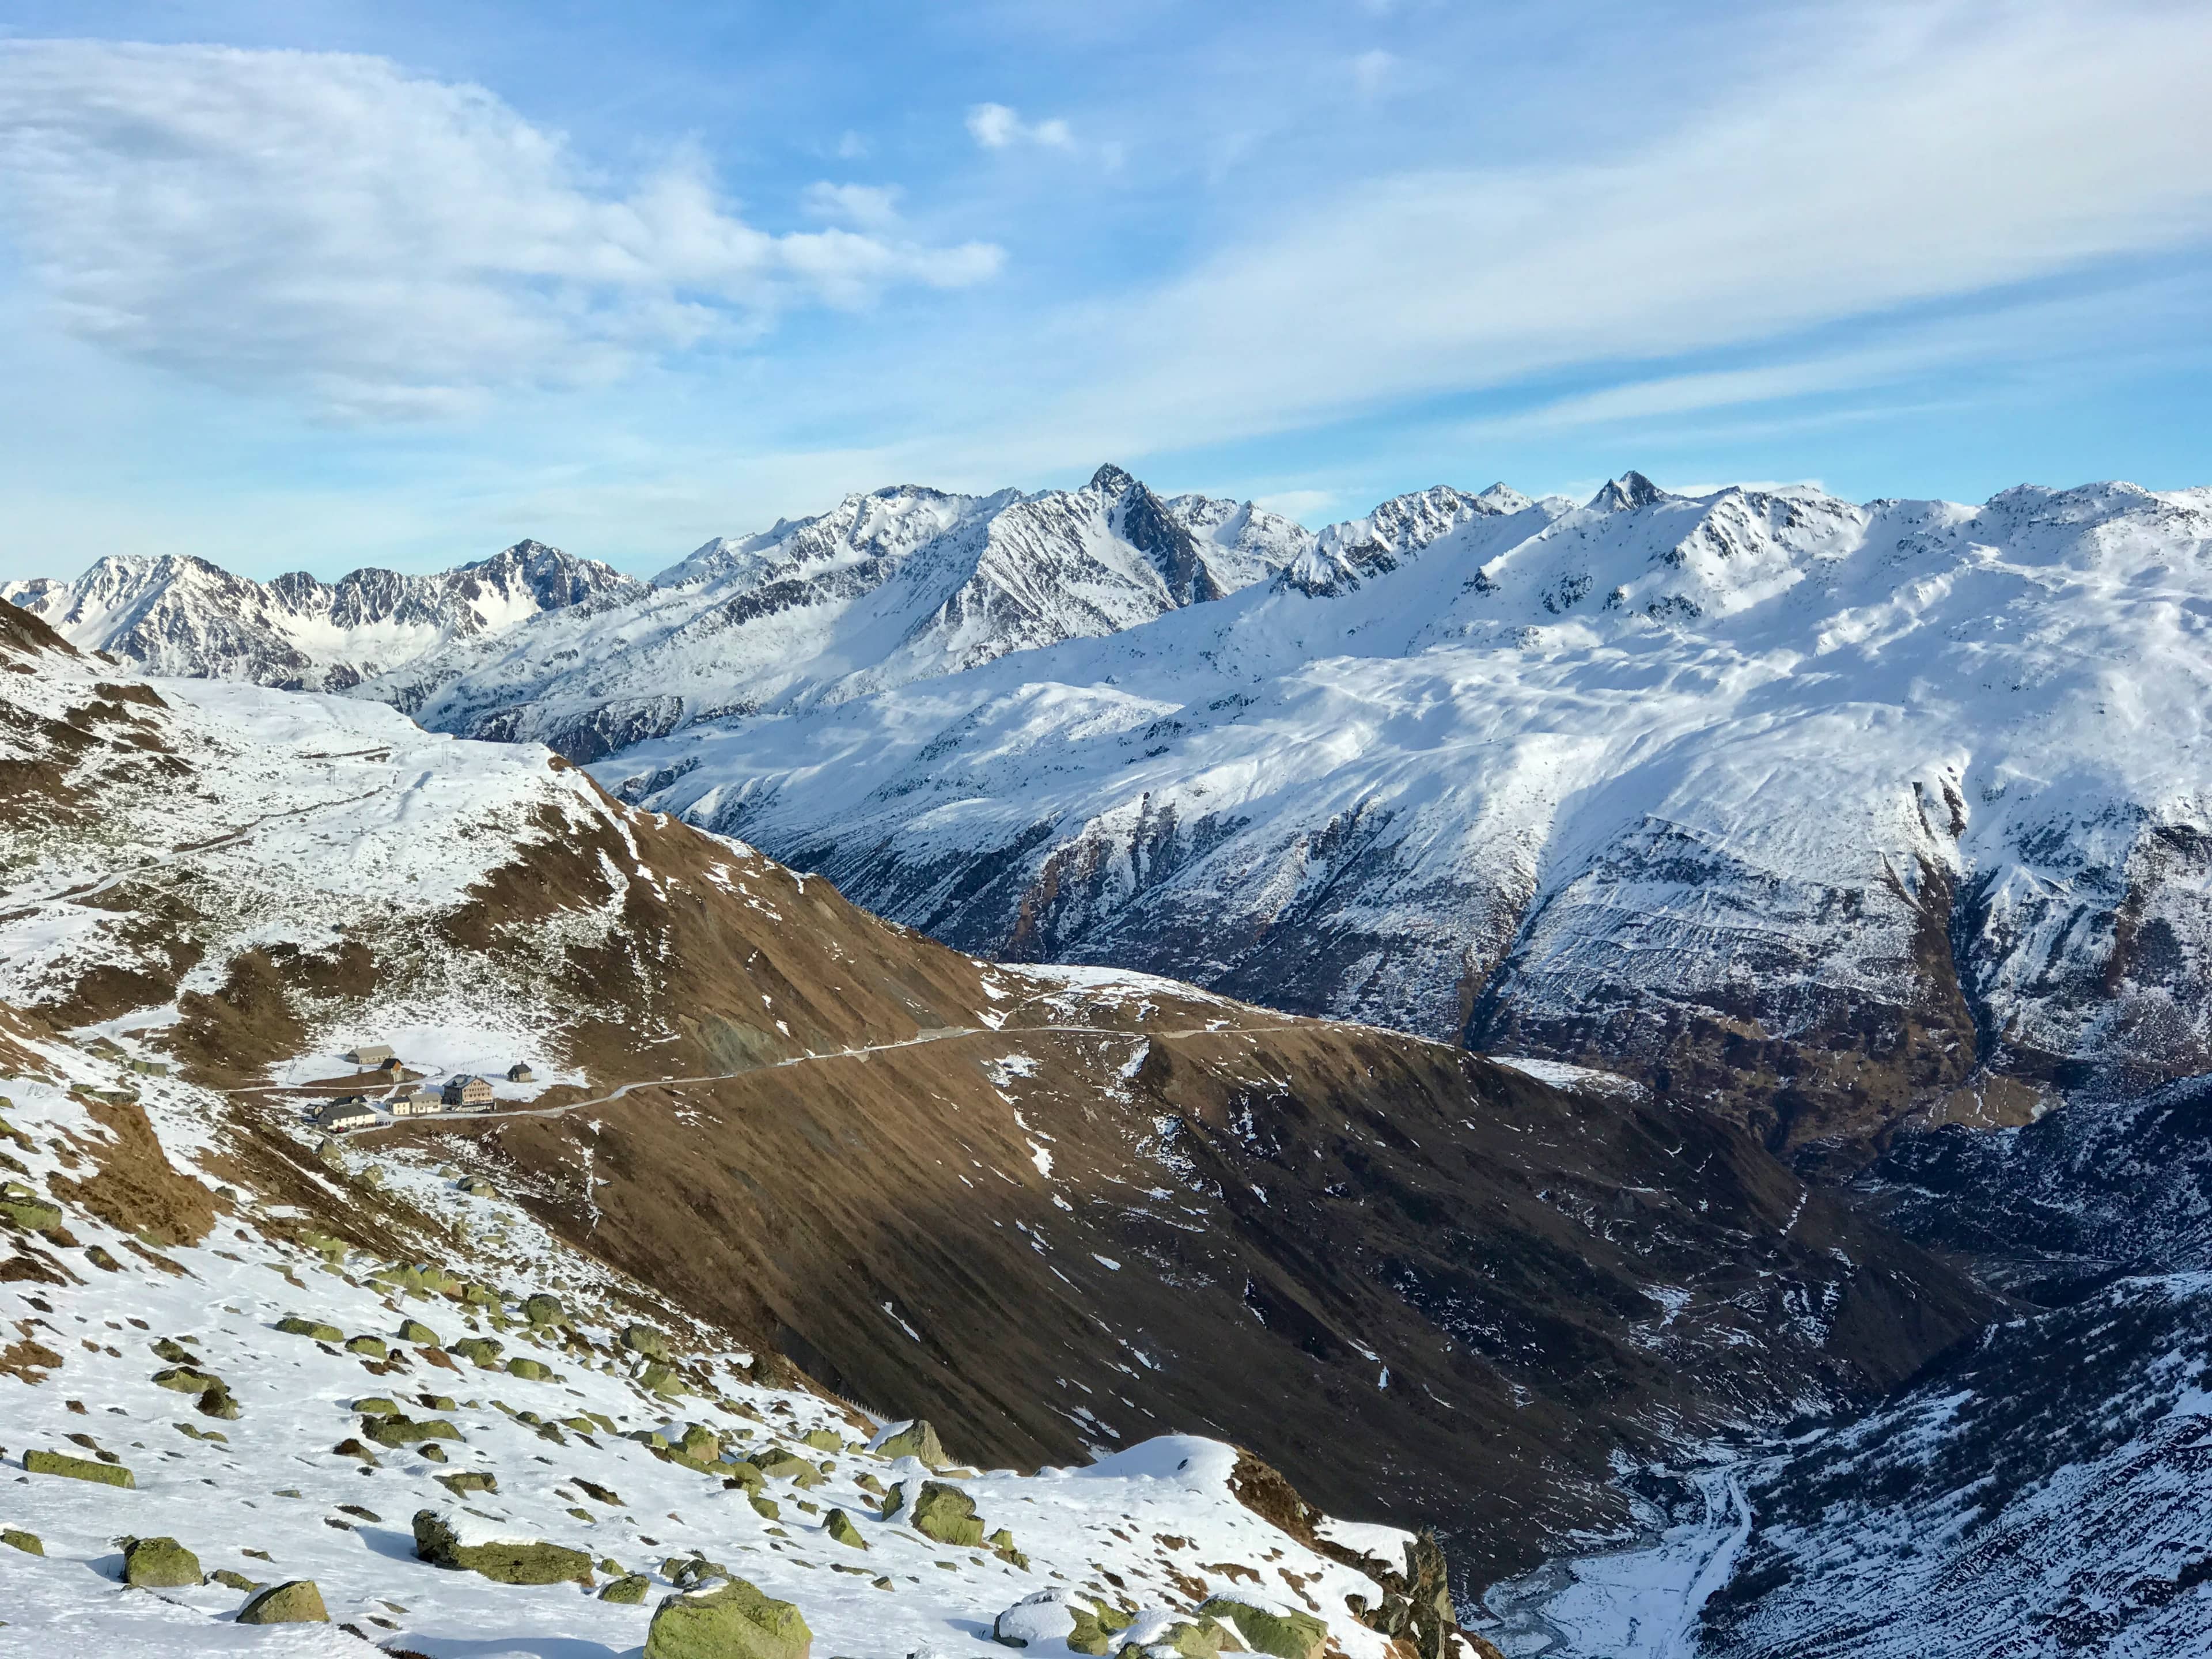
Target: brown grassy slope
(1277, 1203)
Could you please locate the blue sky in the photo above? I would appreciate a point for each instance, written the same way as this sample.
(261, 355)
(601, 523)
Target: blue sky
(316, 285)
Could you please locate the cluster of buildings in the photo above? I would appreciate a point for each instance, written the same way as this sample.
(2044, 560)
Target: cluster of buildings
(403, 1097)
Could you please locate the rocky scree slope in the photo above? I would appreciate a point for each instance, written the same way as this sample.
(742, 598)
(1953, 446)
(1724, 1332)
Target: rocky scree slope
(1058, 1209)
(1843, 817)
(182, 615)
(902, 584)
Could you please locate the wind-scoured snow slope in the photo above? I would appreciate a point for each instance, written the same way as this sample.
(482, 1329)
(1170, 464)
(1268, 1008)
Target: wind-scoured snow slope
(896, 586)
(1059, 1211)
(186, 617)
(1849, 816)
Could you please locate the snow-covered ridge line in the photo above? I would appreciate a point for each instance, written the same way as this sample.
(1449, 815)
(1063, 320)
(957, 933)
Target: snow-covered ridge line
(185, 617)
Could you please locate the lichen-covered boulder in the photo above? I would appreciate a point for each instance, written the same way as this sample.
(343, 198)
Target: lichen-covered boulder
(369, 1347)
(783, 1466)
(480, 1296)
(766, 1508)
(415, 1331)
(947, 1515)
(743, 1473)
(1050, 1615)
(159, 1564)
(377, 1405)
(184, 1380)
(914, 1439)
(484, 1350)
(734, 1620)
(29, 1542)
(27, 1209)
(401, 1430)
(629, 1589)
(297, 1602)
(664, 1380)
(839, 1525)
(825, 1440)
(647, 1340)
(468, 1481)
(1002, 1544)
(1286, 1634)
(530, 1371)
(294, 1325)
(543, 1310)
(460, 1539)
(217, 1402)
(700, 1442)
(78, 1468)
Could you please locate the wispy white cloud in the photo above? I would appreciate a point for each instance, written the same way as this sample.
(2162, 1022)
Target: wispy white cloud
(865, 207)
(1370, 70)
(997, 126)
(1927, 153)
(383, 245)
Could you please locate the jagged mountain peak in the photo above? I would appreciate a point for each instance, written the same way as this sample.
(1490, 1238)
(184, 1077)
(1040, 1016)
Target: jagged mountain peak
(1631, 489)
(1111, 480)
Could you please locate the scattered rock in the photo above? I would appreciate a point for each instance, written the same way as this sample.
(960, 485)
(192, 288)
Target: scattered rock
(27, 1209)
(29, 1542)
(401, 1430)
(297, 1602)
(732, 1621)
(371, 1346)
(159, 1564)
(230, 1578)
(629, 1589)
(947, 1515)
(415, 1331)
(484, 1350)
(78, 1468)
(543, 1310)
(663, 1380)
(376, 1405)
(530, 1371)
(916, 1439)
(184, 1380)
(462, 1542)
(1285, 1635)
(839, 1525)
(294, 1325)
(645, 1339)
(217, 1402)
(825, 1440)
(467, 1480)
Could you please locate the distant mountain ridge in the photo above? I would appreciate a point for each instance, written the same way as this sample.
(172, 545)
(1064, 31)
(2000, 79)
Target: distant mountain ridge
(186, 618)
(1855, 815)
(898, 584)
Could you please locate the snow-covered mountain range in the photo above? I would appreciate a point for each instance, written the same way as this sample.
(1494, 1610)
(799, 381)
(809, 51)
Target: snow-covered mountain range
(901, 585)
(1854, 813)
(181, 616)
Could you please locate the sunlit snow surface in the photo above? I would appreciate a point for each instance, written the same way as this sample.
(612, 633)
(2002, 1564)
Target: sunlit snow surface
(1649, 741)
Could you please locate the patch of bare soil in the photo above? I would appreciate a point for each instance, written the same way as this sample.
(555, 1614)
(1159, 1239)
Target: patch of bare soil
(133, 1186)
